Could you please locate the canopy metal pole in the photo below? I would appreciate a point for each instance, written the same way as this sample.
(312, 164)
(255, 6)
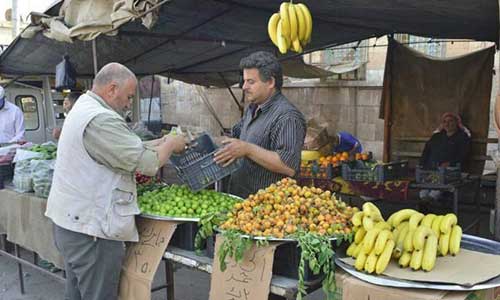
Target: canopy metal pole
(240, 108)
(94, 55)
(497, 163)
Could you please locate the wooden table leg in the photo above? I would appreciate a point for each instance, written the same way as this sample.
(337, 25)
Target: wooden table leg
(19, 268)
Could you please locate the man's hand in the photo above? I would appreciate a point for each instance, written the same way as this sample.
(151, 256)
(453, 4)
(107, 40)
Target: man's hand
(177, 143)
(231, 151)
(56, 133)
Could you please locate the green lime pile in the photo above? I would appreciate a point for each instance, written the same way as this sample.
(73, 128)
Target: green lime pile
(48, 151)
(180, 201)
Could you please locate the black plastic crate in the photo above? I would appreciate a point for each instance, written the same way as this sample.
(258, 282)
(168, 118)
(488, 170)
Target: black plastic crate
(210, 246)
(286, 263)
(380, 173)
(315, 171)
(196, 166)
(184, 236)
(441, 175)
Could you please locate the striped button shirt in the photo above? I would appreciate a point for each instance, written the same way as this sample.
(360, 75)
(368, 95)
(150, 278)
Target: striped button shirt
(277, 125)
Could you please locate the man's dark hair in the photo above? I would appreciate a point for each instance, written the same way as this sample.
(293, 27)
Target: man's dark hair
(73, 96)
(267, 64)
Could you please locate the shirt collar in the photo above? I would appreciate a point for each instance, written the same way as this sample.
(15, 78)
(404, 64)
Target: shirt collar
(100, 100)
(266, 105)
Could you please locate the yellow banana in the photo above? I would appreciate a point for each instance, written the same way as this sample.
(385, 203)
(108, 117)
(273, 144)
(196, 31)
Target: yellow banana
(372, 210)
(398, 249)
(357, 250)
(371, 262)
(272, 28)
(360, 261)
(420, 236)
(309, 23)
(416, 259)
(415, 220)
(382, 238)
(385, 257)
(351, 249)
(444, 243)
(408, 242)
(369, 240)
(455, 239)
(357, 218)
(383, 225)
(368, 223)
(296, 46)
(427, 220)
(402, 215)
(294, 26)
(281, 40)
(404, 260)
(430, 252)
(355, 228)
(285, 20)
(360, 235)
(436, 225)
(448, 221)
(301, 21)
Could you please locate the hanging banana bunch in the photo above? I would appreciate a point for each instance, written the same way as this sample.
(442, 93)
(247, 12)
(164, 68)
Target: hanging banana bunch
(291, 27)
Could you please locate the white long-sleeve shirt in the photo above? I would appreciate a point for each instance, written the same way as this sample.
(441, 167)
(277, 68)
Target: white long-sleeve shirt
(11, 123)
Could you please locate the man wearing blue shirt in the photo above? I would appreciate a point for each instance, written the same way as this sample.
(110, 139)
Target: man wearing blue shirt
(346, 142)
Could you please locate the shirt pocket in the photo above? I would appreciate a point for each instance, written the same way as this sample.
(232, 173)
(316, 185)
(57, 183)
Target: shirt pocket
(120, 215)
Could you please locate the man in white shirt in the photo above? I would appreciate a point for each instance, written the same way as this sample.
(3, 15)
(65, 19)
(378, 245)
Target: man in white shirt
(11, 121)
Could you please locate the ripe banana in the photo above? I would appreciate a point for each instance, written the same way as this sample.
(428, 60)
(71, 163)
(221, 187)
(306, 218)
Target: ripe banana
(405, 259)
(360, 261)
(398, 249)
(372, 210)
(296, 46)
(455, 239)
(301, 20)
(427, 220)
(282, 46)
(383, 225)
(401, 216)
(285, 20)
(383, 237)
(360, 235)
(385, 257)
(371, 262)
(357, 250)
(444, 243)
(294, 26)
(415, 220)
(448, 221)
(351, 249)
(369, 240)
(309, 23)
(408, 242)
(436, 225)
(357, 218)
(272, 27)
(420, 236)
(368, 223)
(416, 259)
(430, 252)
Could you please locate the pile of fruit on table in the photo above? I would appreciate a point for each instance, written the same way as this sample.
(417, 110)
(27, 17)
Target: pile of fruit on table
(316, 166)
(410, 237)
(180, 201)
(48, 151)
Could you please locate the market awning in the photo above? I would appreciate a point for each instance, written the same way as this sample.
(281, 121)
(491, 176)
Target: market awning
(201, 41)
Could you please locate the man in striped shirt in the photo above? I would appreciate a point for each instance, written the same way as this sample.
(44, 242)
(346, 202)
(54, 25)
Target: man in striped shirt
(270, 136)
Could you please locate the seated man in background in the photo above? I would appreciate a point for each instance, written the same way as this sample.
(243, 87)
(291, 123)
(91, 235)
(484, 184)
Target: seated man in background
(345, 142)
(448, 147)
(68, 103)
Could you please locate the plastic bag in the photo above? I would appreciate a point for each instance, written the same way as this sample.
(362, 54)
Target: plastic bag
(65, 75)
(42, 171)
(23, 180)
(22, 154)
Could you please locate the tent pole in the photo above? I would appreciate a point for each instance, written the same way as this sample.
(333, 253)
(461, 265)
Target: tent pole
(94, 55)
(240, 108)
(497, 163)
(388, 106)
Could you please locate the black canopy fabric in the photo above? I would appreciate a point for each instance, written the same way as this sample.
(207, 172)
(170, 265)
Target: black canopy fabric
(202, 41)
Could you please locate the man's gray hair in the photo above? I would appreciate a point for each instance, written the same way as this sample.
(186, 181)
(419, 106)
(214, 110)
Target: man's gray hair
(113, 72)
(267, 64)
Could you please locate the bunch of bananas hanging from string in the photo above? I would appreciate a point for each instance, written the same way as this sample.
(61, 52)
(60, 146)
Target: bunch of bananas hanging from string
(291, 27)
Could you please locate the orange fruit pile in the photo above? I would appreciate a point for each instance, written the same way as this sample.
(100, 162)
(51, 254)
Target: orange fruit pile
(284, 207)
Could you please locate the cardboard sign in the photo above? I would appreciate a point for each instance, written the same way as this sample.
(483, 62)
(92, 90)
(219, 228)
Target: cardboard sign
(249, 279)
(142, 258)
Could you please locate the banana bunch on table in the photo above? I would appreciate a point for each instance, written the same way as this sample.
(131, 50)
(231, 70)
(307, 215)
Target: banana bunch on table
(412, 238)
(291, 27)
